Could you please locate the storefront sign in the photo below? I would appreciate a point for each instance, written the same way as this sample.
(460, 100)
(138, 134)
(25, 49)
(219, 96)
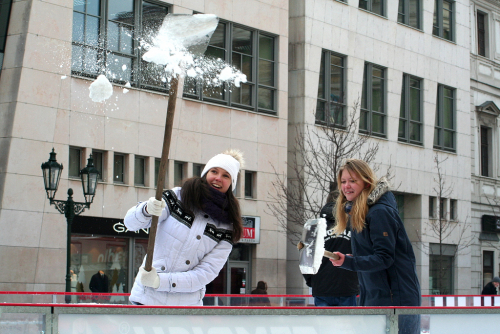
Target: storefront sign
(490, 224)
(251, 230)
(115, 227)
(104, 226)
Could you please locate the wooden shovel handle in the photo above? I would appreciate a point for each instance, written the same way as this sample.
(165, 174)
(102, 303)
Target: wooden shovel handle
(331, 255)
(172, 97)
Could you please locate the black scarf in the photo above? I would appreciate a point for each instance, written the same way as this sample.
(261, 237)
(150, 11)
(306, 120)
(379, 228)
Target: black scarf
(217, 206)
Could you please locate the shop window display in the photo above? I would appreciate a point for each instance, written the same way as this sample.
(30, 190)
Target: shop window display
(89, 255)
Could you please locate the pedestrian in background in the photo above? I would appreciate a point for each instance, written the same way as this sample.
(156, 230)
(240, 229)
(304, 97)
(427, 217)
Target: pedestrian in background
(491, 287)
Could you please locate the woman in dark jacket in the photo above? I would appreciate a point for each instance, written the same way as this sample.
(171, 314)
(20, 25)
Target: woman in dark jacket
(260, 290)
(382, 253)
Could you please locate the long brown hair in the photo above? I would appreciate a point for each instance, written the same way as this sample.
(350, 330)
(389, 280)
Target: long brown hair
(359, 210)
(195, 189)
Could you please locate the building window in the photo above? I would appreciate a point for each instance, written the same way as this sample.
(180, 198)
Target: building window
(330, 108)
(197, 169)
(409, 13)
(432, 207)
(106, 36)
(250, 184)
(98, 162)
(400, 201)
(410, 115)
(372, 118)
(485, 150)
(441, 268)
(75, 162)
(453, 209)
(444, 19)
(254, 53)
(444, 130)
(482, 28)
(157, 172)
(488, 257)
(236, 190)
(178, 173)
(119, 168)
(5, 6)
(139, 171)
(442, 208)
(375, 6)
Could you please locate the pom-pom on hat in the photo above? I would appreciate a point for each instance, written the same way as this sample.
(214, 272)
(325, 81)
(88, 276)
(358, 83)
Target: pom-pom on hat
(230, 160)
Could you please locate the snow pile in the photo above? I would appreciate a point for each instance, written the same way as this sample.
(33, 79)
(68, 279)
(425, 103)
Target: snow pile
(101, 89)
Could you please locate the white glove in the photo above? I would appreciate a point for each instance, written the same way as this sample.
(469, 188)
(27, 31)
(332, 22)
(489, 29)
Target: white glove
(154, 207)
(149, 278)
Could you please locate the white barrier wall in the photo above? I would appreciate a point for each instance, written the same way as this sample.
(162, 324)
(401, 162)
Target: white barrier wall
(222, 324)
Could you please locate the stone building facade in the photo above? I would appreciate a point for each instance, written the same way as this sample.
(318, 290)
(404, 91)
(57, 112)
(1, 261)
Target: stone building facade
(410, 70)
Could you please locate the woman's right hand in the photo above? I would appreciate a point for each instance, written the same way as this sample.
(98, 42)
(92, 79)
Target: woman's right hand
(340, 261)
(155, 207)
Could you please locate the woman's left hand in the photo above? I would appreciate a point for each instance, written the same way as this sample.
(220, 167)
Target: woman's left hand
(340, 261)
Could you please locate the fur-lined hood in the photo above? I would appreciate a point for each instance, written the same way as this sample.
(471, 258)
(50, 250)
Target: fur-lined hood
(381, 188)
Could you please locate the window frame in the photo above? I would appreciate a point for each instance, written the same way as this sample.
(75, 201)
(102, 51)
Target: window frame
(177, 179)
(485, 152)
(438, 22)
(448, 252)
(144, 168)
(405, 110)
(99, 163)
(79, 162)
(5, 8)
(482, 35)
(488, 269)
(367, 100)
(432, 207)
(439, 128)
(325, 77)
(453, 209)
(369, 7)
(196, 168)
(404, 16)
(228, 52)
(102, 47)
(252, 192)
(123, 157)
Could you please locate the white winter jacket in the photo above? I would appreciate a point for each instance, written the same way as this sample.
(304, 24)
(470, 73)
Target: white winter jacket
(189, 252)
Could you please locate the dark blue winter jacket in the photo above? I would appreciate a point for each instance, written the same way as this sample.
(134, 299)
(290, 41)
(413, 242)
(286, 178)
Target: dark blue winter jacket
(384, 259)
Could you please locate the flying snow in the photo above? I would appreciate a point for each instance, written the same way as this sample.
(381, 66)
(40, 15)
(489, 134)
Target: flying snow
(177, 50)
(101, 89)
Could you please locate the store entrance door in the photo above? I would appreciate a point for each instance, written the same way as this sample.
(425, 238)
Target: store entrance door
(237, 276)
(238, 282)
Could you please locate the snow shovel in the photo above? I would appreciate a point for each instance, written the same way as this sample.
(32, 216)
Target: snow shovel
(312, 246)
(192, 32)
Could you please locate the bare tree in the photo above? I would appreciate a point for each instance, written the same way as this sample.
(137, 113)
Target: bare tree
(314, 160)
(447, 235)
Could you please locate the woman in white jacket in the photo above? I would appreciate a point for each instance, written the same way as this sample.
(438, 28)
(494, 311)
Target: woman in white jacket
(197, 227)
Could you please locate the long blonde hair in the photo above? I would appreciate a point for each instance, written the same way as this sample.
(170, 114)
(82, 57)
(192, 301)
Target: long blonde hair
(359, 208)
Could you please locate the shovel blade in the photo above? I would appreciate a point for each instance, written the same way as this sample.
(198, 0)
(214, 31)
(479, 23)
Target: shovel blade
(190, 31)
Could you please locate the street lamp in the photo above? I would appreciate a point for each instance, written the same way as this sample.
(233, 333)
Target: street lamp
(51, 176)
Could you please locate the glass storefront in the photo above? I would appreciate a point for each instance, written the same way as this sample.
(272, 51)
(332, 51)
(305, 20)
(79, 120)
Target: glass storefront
(104, 244)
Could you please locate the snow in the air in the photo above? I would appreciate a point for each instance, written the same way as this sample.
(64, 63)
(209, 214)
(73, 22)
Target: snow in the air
(101, 89)
(177, 50)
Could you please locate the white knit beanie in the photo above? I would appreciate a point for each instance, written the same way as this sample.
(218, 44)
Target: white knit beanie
(228, 163)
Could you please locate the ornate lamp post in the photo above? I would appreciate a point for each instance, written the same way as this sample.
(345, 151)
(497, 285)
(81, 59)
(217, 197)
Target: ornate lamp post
(51, 176)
